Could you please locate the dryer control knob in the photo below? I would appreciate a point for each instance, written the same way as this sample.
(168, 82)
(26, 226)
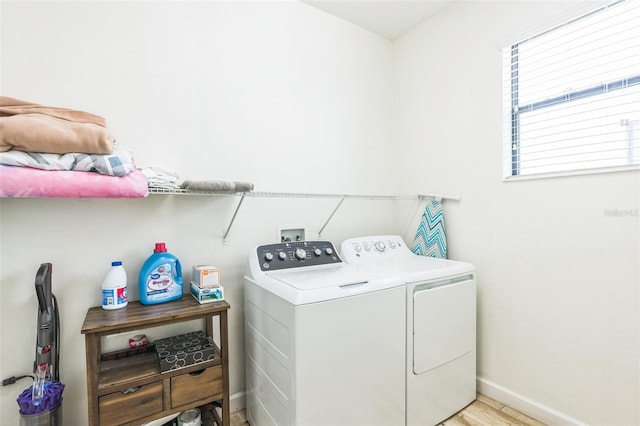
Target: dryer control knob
(367, 246)
(282, 255)
(392, 245)
(317, 252)
(300, 254)
(268, 256)
(329, 251)
(380, 246)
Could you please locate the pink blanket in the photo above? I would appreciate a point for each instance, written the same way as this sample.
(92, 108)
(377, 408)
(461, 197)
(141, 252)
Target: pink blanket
(34, 183)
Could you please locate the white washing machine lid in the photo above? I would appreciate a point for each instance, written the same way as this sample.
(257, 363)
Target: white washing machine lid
(312, 278)
(319, 284)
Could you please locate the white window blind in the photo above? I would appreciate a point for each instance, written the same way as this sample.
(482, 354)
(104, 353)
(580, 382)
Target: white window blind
(572, 95)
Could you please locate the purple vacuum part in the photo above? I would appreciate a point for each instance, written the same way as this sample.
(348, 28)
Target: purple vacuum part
(51, 398)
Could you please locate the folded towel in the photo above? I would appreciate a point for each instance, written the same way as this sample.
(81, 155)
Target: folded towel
(158, 177)
(25, 126)
(216, 186)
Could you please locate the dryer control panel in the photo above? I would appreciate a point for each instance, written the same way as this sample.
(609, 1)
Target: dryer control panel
(374, 248)
(273, 257)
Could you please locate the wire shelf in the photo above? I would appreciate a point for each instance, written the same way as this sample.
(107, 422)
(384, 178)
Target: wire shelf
(341, 197)
(262, 194)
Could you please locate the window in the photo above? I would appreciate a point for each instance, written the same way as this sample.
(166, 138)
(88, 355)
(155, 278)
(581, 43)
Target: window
(572, 95)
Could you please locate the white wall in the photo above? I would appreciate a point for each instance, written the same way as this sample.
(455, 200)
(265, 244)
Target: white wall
(275, 93)
(558, 274)
(264, 91)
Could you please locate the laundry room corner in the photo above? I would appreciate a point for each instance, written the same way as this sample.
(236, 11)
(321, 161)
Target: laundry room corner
(548, 284)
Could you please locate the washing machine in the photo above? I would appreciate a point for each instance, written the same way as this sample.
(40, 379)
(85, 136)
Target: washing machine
(440, 364)
(324, 339)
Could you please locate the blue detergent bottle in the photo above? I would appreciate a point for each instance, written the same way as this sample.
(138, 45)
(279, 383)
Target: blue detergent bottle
(160, 278)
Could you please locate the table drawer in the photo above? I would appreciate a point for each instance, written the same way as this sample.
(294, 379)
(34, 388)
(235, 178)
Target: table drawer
(119, 407)
(191, 387)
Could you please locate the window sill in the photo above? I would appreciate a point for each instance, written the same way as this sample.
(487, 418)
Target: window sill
(634, 168)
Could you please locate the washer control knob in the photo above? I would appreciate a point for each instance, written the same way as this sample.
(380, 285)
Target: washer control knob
(268, 256)
(317, 252)
(380, 246)
(392, 245)
(328, 251)
(300, 254)
(357, 247)
(282, 255)
(367, 246)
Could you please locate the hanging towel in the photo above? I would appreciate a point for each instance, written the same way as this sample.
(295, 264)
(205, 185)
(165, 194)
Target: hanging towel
(430, 239)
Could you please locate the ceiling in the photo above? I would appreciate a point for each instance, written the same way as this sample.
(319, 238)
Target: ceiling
(388, 18)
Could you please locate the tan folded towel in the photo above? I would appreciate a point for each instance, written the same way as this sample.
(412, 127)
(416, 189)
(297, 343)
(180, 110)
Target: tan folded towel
(30, 127)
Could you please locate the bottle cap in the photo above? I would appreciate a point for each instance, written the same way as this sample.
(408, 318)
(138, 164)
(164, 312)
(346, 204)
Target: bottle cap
(160, 248)
(116, 263)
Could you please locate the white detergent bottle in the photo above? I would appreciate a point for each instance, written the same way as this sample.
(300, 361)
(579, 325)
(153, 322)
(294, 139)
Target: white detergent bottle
(114, 287)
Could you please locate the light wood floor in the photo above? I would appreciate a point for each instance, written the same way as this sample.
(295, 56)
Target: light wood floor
(487, 412)
(482, 412)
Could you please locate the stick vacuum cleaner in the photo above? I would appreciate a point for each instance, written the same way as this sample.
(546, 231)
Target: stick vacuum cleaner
(41, 403)
(48, 340)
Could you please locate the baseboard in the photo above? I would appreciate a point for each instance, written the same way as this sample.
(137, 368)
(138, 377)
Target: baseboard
(237, 401)
(525, 405)
(547, 415)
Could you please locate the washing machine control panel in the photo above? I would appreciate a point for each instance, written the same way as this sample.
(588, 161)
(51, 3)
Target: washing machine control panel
(273, 257)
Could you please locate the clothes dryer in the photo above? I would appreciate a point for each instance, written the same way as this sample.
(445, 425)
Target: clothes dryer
(324, 340)
(440, 364)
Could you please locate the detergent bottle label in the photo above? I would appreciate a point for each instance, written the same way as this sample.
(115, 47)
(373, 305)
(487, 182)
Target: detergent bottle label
(121, 295)
(160, 283)
(114, 296)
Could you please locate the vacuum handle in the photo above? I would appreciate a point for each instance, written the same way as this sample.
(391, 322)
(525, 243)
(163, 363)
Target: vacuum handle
(43, 286)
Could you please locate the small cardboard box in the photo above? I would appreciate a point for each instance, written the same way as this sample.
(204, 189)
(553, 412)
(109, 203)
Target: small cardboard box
(184, 350)
(206, 276)
(204, 295)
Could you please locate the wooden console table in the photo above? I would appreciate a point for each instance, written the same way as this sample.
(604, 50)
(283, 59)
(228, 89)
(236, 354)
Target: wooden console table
(132, 390)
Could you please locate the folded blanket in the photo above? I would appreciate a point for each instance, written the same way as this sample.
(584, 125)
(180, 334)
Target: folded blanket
(216, 186)
(33, 183)
(119, 163)
(25, 126)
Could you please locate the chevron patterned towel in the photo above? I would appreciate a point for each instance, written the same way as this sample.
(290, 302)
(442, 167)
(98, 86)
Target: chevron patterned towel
(431, 239)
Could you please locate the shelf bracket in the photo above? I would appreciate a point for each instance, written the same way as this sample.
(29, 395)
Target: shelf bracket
(439, 197)
(233, 218)
(331, 216)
